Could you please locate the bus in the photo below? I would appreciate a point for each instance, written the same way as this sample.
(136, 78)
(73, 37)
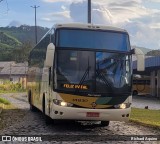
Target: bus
(82, 72)
(141, 86)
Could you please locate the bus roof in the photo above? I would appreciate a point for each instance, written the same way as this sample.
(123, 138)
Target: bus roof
(89, 26)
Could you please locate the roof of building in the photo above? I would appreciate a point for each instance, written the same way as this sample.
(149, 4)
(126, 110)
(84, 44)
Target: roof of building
(7, 68)
(151, 64)
(4, 64)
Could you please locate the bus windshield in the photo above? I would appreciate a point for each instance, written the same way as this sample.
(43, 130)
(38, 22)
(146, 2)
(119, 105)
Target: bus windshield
(92, 72)
(106, 40)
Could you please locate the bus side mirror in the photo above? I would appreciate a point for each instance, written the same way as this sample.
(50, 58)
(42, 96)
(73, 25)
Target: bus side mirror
(140, 59)
(50, 55)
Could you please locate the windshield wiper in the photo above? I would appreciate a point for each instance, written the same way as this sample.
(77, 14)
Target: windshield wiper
(83, 77)
(102, 77)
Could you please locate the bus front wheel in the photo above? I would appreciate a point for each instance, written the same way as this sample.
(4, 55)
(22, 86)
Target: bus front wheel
(104, 123)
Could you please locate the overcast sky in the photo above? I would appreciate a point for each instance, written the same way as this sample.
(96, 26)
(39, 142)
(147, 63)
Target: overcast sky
(141, 18)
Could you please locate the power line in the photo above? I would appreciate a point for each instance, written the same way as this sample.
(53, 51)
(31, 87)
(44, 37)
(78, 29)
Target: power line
(35, 7)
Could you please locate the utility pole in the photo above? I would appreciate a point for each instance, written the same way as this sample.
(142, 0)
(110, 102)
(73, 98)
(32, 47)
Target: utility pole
(89, 11)
(35, 7)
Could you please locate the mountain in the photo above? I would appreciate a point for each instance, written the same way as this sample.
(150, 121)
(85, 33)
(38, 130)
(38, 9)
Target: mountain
(8, 44)
(24, 33)
(154, 53)
(16, 42)
(7, 41)
(144, 50)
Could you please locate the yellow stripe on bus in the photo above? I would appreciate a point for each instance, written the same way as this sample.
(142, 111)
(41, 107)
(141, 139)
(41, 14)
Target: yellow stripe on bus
(82, 101)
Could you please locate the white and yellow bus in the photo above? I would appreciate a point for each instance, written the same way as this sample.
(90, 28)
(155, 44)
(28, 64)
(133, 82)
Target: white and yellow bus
(82, 72)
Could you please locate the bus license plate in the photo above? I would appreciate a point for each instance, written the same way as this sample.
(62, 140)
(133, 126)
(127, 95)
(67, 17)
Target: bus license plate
(92, 114)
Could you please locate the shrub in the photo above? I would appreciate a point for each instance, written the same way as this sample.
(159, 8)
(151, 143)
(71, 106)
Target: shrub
(11, 87)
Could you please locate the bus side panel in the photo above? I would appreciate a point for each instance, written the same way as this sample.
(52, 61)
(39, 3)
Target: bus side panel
(36, 63)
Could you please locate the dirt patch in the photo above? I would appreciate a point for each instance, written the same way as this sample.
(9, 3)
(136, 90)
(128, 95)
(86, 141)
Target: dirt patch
(10, 116)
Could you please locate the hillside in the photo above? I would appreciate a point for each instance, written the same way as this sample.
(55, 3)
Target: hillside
(154, 53)
(25, 33)
(8, 42)
(144, 50)
(16, 42)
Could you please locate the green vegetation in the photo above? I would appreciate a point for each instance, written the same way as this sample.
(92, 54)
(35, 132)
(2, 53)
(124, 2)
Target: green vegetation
(146, 117)
(8, 86)
(25, 33)
(4, 101)
(5, 46)
(154, 53)
(16, 42)
(9, 40)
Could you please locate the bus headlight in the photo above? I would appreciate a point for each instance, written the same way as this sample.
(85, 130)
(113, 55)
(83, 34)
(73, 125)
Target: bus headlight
(122, 106)
(62, 103)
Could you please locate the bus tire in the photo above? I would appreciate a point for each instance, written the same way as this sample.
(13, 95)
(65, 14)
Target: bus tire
(48, 120)
(32, 108)
(135, 92)
(104, 123)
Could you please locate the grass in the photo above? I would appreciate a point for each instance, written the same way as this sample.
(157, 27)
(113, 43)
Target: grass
(5, 92)
(4, 101)
(146, 117)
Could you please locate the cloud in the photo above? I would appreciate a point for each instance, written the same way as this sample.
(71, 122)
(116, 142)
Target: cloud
(14, 24)
(155, 26)
(157, 1)
(131, 3)
(53, 1)
(46, 19)
(108, 13)
(151, 20)
(142, 23)
(58, 17)
(63, 7)
(78, 11)
(143, 35)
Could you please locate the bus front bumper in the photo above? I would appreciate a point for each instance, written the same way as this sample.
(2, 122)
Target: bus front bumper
(70, 113)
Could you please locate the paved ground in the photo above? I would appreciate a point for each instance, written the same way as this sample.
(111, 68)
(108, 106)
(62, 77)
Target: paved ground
(79, 132)
(142, 101)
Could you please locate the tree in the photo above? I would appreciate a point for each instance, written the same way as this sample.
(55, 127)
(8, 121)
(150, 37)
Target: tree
(153, 53)
(21, 54)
